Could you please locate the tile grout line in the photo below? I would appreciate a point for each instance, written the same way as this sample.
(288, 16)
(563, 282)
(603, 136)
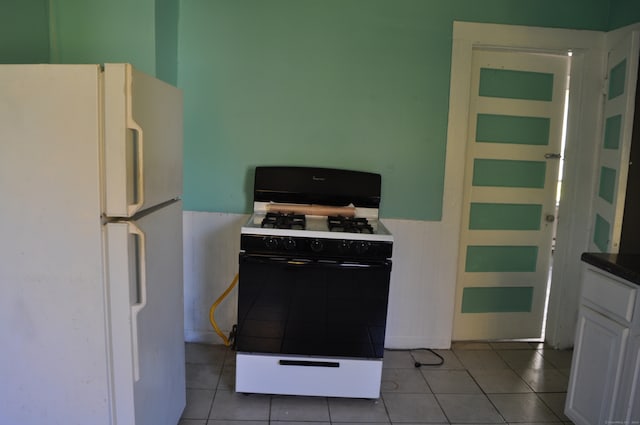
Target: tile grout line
(480, 387)
(533, 391)
(435, 397)
(536, 350)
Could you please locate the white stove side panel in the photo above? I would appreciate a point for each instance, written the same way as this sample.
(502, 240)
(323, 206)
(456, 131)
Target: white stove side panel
(263, 373)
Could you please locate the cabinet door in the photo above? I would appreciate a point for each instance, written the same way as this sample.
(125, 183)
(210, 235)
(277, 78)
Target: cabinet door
(628, 407)
(596, 368)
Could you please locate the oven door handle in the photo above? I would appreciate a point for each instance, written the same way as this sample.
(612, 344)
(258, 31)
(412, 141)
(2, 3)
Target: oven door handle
(329, 263)
(358, 265)
(308, 363)
(297, 262)
(306, 262)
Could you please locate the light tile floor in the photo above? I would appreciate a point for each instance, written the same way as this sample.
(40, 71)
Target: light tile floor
(479, 383)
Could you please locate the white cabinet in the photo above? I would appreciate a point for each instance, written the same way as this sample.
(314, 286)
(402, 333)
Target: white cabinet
(596, 368)
(630, 393)
(603, 387)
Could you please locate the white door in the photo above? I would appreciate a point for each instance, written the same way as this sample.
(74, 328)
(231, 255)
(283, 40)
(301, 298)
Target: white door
(144, 281)
(514, 138)
(142, 141)
(613, 165)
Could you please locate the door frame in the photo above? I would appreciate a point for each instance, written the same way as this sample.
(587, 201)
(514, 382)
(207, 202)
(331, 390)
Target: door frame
(583, 133)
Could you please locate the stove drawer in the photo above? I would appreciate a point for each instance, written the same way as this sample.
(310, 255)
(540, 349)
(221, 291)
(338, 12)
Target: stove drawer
(290, 375)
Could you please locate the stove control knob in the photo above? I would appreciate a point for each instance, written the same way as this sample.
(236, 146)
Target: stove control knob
(344, 247)
(316, 245)
(289, 244)
(362, 247)
(271, 243)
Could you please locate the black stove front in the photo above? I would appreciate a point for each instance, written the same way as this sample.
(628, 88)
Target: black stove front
(311, 307)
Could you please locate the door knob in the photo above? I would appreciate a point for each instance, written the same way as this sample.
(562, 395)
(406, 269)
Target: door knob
(549, 218)
(552, 155)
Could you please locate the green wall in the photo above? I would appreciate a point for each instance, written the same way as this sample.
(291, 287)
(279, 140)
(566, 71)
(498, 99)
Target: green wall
(623, 12)
(92, 31)
(166, 26)
(24, 31)
(361, 84)
(142, 32)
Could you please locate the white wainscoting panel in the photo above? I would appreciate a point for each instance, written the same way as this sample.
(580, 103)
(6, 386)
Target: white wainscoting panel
(211, 247)
(422, 279)
(423, 283)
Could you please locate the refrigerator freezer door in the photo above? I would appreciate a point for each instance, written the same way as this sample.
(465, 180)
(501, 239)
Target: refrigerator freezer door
(144, 273)
(143, 141)
(52, 305)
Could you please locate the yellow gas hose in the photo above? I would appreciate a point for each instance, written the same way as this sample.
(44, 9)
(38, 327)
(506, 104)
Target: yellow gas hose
(215, 305)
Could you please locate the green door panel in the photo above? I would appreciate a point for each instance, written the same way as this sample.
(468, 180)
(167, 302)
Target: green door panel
(509, 173)
(501, 258)
(492, 128)
(493, 216)
(511, 84)
(612, 132)
(504, 299)
(616, 79)
(601, 232)
(607, 185)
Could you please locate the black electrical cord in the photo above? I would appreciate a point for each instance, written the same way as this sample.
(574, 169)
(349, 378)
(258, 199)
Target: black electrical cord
(417, 363)
(438, 363)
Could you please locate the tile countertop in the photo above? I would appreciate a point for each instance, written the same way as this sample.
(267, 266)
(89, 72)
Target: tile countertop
(626, 266)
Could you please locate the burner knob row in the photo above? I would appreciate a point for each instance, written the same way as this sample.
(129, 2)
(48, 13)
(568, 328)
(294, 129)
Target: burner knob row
(275, 243)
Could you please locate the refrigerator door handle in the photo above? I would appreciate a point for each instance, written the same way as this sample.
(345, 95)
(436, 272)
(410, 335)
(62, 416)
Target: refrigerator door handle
(138, 141)
(139, 168)
(141, 290)
(127, 289)
(124, 144)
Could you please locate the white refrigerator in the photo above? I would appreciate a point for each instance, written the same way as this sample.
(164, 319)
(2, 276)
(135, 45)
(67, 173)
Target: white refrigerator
(91, 295)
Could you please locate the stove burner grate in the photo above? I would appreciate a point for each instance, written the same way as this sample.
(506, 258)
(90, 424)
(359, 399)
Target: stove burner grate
(284, 221)
(349, 224)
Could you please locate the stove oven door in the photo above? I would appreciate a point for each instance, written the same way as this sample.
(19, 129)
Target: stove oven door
(312, 307)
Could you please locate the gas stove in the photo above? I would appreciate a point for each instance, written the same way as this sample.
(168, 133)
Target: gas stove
(315, 264)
